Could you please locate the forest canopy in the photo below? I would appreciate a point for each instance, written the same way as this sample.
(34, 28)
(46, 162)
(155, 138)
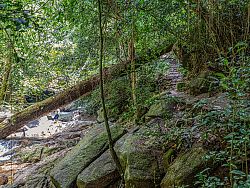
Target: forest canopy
(59, 38)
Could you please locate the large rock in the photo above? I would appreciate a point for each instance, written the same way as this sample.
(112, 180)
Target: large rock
(183, 169)
(162, 108)
(38, 181)
(142, 170)
(35, 153)
(199, 84)
(203, 83)
(101, 173)
(37, 175)
(92, 146)
(140, 155)
(66, 116)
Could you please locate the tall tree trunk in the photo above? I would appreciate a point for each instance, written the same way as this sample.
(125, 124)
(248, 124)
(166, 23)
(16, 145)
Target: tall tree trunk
(8, 66)
(111, 143)
(133, 72)
(83, 88)
(6, 78)
(131, 55)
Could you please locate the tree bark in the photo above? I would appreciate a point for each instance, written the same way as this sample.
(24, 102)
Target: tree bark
(83, 88)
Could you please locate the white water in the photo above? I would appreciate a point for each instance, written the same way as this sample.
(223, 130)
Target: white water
(44, 128)
(6, 146)
(40, 128)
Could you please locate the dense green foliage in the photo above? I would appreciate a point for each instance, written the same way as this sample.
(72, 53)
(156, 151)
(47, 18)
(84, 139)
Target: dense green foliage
(59, 39)
(51, 45)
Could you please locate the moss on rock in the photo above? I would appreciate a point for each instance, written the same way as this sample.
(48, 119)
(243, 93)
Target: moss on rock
(36, 152)
(112, 115)
(142, 170)
(202, 83)
(140, 158)
(92, 146)
(184, 168)
(167, 158)
(162, 108)
(101, 173)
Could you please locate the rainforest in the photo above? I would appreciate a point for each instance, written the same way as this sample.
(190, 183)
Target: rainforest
(125, 94)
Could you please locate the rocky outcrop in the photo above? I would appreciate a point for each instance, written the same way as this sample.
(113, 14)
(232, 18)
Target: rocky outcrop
(34, 158)
(37, 175)
(89, 164)
(162, 108)
(34, 154)
(184, 168)
(140, 155)
(101, 173)
(205, 82)
(92, 146)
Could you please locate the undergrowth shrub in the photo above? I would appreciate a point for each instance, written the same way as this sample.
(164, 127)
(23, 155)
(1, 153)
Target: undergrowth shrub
(231, 125)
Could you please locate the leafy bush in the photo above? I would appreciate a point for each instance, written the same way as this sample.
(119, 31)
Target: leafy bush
(230, 124)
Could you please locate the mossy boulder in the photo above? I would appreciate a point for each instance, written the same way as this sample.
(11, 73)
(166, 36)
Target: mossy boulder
(184, 168)
(142, 170)
(140, 156)
(36, 152)
(38, 181)
(101, 173)
(30, 154)
(162, 108)
(203, 83)
(37, 175)
(92, 146)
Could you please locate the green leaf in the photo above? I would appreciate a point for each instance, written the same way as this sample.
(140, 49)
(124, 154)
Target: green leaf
(238, 172)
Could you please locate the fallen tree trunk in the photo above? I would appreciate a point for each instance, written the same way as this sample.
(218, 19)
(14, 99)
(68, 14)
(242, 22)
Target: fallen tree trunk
(83, 88)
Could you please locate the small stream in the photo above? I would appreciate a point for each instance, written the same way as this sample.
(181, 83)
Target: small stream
(40, 128)
(5, 147)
